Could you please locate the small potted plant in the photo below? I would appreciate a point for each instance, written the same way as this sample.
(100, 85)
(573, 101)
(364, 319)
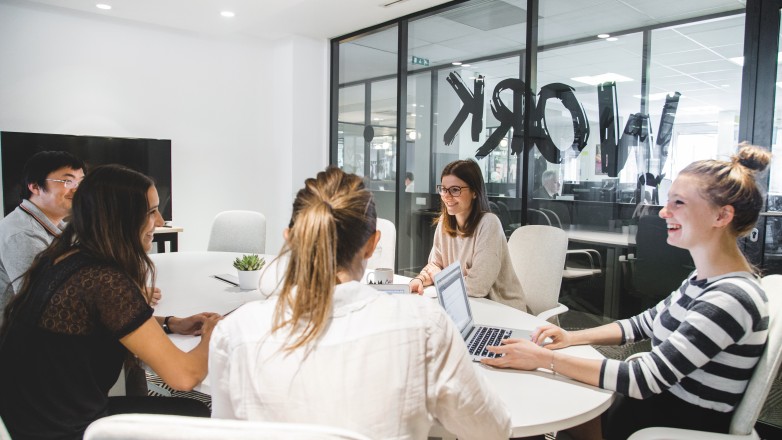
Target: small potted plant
(249, 268)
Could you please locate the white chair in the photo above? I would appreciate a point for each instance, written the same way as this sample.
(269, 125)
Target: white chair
(743, 421)
(4, 435)
(593, 269)
(165, 427)
(385, 252)
(238, 231)
(538, 256)
(573, 272)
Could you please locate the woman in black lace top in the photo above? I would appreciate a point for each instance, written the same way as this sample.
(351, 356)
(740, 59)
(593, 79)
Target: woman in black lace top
(82, 306)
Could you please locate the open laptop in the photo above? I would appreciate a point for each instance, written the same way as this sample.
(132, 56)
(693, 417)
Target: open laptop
(452, 295)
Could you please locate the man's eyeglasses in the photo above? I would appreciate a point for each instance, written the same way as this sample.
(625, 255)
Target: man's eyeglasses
(454, 191)
(67, 183)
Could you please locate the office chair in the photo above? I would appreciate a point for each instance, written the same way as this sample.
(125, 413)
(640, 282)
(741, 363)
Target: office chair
(538, 256)
(385, 252)
(658, 268)
(539, 217)
(4, 435)
(166, 427)
(746, 414)
(238, 231)
(586, 263)
(505, 217)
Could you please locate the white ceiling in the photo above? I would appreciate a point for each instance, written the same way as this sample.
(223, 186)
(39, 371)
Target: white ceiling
(254, 18)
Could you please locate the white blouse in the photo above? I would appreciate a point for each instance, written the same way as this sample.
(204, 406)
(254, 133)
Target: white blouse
(386, 366)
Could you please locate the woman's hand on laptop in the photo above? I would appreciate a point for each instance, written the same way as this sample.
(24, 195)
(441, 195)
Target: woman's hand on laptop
(559, 337)
(519, 354)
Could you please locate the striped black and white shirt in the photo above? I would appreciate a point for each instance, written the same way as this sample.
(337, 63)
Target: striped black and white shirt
(706, 337)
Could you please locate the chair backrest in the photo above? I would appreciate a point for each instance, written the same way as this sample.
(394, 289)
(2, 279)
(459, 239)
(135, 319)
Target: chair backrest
(538, 256)
(385, 252)
(659, 268)
(505, 217)
(538, 217)
(166, 427)
(747, 411)
(238, 231)
(4, 435)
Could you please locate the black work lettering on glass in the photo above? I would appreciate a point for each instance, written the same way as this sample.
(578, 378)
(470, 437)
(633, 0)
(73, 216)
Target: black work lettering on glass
(540, 133)
(472, 103)
(369, 133)
(666, 127)
(506, 117)
(609, 127)
(636, 133)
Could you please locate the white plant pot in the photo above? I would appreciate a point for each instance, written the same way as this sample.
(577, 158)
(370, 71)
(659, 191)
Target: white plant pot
(249, 279)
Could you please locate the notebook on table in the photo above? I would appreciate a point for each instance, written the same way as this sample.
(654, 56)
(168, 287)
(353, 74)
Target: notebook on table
(452, 294)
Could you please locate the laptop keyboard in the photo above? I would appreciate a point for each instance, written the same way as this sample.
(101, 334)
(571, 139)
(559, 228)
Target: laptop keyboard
(487, 336)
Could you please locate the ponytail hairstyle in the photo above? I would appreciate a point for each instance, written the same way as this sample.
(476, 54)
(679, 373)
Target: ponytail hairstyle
(469, 171)
(333, 217)
(109, 210)
(733, 183)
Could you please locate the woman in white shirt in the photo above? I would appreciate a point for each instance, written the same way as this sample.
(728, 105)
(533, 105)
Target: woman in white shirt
(334, 351)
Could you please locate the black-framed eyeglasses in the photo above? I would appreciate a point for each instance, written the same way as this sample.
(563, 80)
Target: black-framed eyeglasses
(67, 183)
(454, 191)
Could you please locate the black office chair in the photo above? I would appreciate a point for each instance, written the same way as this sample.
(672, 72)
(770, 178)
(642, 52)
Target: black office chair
(504, 217)
(658, 268)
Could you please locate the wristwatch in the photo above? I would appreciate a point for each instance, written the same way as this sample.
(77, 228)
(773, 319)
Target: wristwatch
(166, 328)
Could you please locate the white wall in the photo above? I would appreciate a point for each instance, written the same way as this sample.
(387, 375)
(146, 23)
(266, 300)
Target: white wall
(217, 99)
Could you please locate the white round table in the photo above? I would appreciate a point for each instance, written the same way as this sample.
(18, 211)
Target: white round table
(539, 401)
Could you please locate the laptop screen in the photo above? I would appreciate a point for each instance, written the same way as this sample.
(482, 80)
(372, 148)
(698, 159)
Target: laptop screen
(453, 295)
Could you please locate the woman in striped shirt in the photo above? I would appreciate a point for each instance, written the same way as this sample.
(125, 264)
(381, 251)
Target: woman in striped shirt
(707, 336)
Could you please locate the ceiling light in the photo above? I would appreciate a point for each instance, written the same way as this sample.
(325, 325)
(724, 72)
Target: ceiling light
(657, 96)
(603, 77)
(411, 135)
(737, 60)
(603, 35)
(457, 63)
(227, 14)
(465, 65)
(740, 60)
(412, 114)
(612, 39)
(103, 6)
(699, 110)
(504, 142)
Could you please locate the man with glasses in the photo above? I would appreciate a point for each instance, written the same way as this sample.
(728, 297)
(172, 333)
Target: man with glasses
(49, 180)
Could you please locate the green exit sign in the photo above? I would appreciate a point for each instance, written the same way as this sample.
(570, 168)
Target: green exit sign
(420, 61)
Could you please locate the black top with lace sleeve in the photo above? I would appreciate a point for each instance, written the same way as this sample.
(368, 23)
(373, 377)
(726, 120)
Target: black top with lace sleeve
(62, 354)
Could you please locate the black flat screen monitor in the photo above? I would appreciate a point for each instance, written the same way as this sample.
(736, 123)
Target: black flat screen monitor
(149, 156)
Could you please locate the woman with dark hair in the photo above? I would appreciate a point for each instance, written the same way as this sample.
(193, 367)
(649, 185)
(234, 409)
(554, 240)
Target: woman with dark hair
(334, 351)
(468, 232)
(707, 336)
(82, 306)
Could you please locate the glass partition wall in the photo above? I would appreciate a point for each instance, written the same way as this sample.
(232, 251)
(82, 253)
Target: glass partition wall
(580, 114)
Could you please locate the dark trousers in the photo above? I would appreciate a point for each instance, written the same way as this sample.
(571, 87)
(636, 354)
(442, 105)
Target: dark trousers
(627, 415)
(178, 406)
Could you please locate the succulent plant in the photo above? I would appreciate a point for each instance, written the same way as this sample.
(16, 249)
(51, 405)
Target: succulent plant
(249, 262)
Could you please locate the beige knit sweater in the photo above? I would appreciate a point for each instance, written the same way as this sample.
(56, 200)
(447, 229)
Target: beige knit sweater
(485, 260)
